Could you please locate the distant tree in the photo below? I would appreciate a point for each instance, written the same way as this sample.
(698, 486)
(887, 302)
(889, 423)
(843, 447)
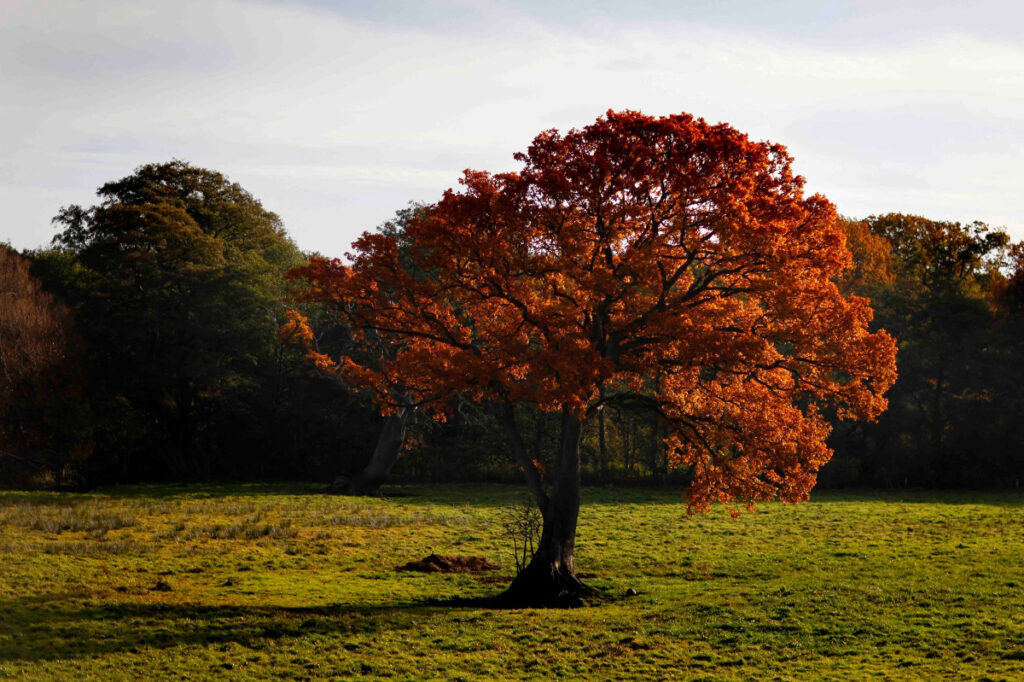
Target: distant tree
(873, 259)
(937, 294)
(656, 260)
(369, 349)
(332, 335)
(1007, 393)
(941, 253)
(179, 283)
(1012, 292)
(44, 429)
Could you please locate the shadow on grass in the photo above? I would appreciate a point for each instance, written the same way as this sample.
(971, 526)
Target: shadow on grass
(1003, 498)
(208, 490)
(59, 626)
(49, 628)
(494, 494)
(489, 494)
(504, 494)
(409, 494)
(160, 491)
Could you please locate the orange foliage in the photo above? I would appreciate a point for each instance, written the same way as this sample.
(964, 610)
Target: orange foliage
(872, 256)
(538, 466)
(40, 378)
(34, 328)
(658, 256)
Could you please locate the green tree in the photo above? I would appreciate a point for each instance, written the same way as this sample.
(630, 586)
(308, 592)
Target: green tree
(933, 284)
(179, 285)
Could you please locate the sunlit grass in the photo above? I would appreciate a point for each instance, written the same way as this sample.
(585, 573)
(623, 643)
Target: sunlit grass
(252, 582)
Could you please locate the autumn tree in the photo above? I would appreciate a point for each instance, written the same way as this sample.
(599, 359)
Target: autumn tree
(369, 349)
(44, 428)
(663, 261)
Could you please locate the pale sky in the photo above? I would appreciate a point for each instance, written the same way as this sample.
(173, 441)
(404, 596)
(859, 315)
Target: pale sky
(335, 114)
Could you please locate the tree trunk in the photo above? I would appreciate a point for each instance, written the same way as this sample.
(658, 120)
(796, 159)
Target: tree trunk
(389, 445)
(654, 456)
(539, 434)
(550, 577)
(938, 419)
(631, 443)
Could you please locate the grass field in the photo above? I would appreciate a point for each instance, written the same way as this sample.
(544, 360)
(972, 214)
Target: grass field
(258, 582)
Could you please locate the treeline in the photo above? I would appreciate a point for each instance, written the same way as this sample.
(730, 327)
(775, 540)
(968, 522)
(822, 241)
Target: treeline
(952, 296)
(146, 344)
(173, 289)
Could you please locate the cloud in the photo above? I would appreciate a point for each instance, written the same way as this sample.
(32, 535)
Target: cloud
(336, 116)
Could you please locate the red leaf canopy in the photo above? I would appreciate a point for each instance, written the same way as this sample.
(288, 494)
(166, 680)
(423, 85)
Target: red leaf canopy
(663, 259)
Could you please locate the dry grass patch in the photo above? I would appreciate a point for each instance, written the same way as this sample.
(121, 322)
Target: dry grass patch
(89, 517)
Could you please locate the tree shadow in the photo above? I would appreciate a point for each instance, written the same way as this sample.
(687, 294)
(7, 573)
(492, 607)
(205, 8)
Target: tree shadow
(476, 495)
(503, 494)
(47, 627)
(160, 491)
(411, 494)
(1000, 498)
(59, 625)
(202, 490)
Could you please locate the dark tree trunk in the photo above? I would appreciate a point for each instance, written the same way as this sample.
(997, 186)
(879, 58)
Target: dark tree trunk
(631, 443)
(507, 414)
(655, 453)
(938, 418)
(602, 447)
(550, 577)
(389, 445)
(539, 435)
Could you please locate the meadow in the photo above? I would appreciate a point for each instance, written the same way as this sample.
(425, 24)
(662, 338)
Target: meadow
(278, 581)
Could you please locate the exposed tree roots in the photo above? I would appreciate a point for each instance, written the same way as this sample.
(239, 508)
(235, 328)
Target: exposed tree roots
(543, 587)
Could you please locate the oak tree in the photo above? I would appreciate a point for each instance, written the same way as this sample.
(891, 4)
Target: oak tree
(659, 261)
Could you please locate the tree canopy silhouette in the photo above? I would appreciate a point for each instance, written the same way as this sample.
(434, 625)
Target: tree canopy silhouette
(939, 287)
(178, 286)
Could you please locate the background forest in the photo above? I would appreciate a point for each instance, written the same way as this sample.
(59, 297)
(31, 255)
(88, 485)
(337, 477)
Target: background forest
(145, 344)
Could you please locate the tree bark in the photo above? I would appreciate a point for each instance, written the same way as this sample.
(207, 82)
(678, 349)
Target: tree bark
(549, 580)
(506, 411)
(385, 454)
(658, 474)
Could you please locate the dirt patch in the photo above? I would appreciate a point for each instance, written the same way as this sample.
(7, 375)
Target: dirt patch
(435, 563)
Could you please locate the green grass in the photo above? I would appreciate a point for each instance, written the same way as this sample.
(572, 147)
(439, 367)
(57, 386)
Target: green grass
(256, 582)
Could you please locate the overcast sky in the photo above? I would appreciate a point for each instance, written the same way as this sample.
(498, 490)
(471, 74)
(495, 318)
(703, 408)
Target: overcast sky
(335, 114)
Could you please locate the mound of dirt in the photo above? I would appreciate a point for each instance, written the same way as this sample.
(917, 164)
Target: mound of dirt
(435, 563)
